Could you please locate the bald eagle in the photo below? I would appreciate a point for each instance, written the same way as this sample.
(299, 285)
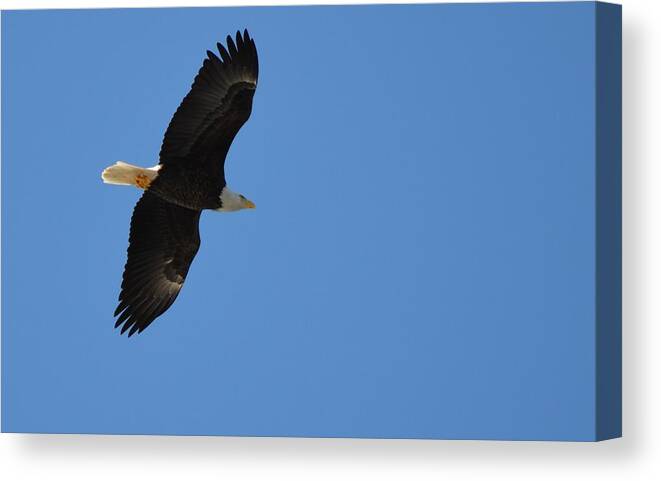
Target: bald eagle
(189, 178)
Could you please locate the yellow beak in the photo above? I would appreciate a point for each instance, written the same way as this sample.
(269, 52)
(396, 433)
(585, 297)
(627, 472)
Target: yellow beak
(249, 204)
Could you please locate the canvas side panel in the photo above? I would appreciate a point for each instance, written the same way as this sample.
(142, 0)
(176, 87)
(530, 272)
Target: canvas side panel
(609, 220)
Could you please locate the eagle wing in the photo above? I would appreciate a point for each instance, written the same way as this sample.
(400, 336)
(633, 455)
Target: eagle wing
(218, 104)
(163, 241)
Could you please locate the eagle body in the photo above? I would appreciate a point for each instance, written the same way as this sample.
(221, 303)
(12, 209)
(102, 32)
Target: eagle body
(189, 187)
(164, 235)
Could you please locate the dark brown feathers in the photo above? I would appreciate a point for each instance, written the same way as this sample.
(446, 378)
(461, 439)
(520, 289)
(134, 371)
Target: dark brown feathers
(218, 104)
(163, 241)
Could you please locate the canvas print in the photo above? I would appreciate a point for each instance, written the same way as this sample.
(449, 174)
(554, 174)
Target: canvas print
(385, 221)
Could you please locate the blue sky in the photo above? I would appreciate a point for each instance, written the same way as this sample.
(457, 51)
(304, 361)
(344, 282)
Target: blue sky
(420, 262)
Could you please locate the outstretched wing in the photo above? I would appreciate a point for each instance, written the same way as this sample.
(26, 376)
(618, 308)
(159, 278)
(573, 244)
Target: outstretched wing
(163, 241)
(218, 104)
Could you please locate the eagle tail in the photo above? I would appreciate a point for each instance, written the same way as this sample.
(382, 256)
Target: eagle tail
(122, 173)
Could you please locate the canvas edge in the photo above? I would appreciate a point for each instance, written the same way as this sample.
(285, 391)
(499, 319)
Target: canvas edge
(608, 124)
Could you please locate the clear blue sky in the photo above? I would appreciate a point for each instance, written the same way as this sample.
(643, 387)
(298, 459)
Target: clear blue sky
(420, 262)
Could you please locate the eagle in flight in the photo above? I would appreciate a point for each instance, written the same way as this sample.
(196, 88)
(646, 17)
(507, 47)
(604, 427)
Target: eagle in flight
(190, 177)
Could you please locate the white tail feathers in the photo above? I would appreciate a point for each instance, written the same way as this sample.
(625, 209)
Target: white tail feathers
(126, 174)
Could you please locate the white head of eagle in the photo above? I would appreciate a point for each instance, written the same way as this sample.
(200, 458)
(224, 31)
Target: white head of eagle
(231, 201)
(189, 178)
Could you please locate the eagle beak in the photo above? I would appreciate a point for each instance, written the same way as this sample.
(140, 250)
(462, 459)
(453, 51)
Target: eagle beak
(249, 204)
